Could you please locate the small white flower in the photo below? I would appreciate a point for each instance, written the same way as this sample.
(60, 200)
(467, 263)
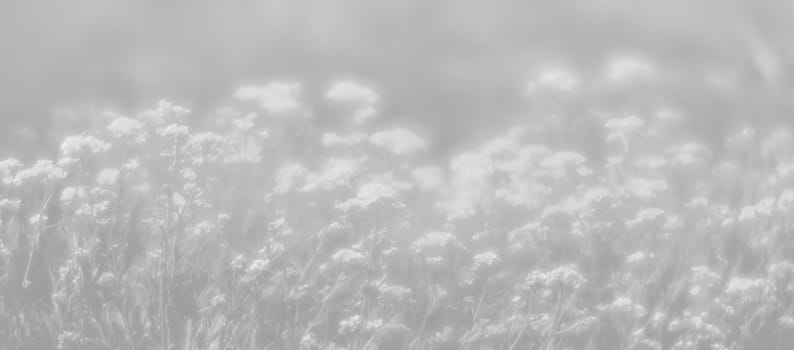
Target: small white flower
(486, 259)
(217, 300)
(131, 164)
(258, 266)
(245, 124)
(9, 204)
(106, 280)
(350, 324)
(37, 219)
(748, 289)
(637, 257)
(434, 239)
(626, 306)
(7, 168)
(174, 131)
(70, 194)
(42, 172)
(349, 257)
(374, 325)
(128, 128)
(368, 195)
(165, 112)
(206, 146)
(77, 146)
(646, 215)
(336, 172)
(203, 228)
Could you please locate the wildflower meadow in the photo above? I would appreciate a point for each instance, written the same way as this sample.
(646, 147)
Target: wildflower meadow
(596, 223)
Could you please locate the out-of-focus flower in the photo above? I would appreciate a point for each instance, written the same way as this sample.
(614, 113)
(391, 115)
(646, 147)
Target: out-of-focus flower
(258, 265)
(165, 112)
(350, 324)
(620, 129)
(695, 330)
(787, 322)
(289, 176)
(373, 326)
(309, 342)
(785, 202)
(781, 271)
(367, 195)
(565, 276)
(276, 98)
(688, 154)
(349, 257)
(763, 208)
(71, 194)
(174, 131)
(8, 205)
(107, 177)
(393, 293)
(249, 151)
(398, 141)
(203, 228)
(42, 172)
(106, 280)
(131, 164)
(7, 169)
(626, 307)
(638, 258)
(218, 300)
(206, 147)
(748, 289)
(485, 259)
(335, 172)
(558, 164)
(245, 124)
(77, 146)
(434, 239)
(37, 219)
(650, 163)
(777, 145)
(646, 188)
(131, 130)
(362, 98)
(646, 215)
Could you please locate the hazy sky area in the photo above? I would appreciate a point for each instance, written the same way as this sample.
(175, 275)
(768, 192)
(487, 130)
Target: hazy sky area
(454, 66)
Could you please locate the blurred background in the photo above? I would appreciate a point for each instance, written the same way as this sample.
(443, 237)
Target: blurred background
(452, 65)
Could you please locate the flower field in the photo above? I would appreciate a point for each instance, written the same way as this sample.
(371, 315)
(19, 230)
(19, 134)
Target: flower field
(261, 228)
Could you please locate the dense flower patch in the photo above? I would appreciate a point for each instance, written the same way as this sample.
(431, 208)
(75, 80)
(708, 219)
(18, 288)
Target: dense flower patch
(261, 230)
